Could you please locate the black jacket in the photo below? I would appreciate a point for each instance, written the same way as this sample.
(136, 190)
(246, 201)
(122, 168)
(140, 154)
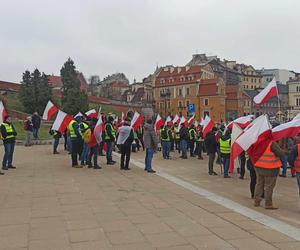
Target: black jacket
(36, 121)
(210, 142)
(184, 133)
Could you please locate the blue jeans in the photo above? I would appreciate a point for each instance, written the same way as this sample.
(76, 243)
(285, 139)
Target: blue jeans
(148, 158)
(226, 165)
(298, 181)
(109, 151)
(166, 148)
(8, 155)
(85, 154)
(284, 161)
(183, 147)
(55, 144)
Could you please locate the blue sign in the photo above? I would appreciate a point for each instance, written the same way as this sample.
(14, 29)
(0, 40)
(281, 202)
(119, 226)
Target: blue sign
(191, 108)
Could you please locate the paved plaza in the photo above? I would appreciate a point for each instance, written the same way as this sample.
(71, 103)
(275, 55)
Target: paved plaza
(46, 204)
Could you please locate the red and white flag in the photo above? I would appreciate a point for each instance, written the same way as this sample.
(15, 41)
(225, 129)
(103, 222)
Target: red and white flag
(236, 132)
(176, 119)
(136, 121)
(91, 113)
(207, 124)
(242, 122)
(168, 120)
(122, 118)
(159, 122)
(49, 111)
(2, 112)
(62, 121)
(190, 121)
(289, 129)
(254, 140)
(269, 91)
(182, 120)
(79, 114)
(99, 127)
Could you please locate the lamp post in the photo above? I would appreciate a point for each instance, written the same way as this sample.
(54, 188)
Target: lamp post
(165, 95)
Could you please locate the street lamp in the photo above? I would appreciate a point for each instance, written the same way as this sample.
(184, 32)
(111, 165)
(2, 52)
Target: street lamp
(165, 95)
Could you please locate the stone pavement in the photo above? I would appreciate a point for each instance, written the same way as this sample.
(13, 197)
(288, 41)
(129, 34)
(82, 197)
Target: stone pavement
(46, 204)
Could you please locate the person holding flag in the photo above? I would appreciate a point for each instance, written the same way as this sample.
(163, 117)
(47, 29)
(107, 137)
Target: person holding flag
(125, 139)
(93, 145)
(109, 138)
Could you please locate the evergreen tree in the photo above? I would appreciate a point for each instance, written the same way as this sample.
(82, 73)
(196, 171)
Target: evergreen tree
(35, 91)
(73, 99)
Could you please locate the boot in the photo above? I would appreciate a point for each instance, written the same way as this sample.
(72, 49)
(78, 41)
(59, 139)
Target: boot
(271, 207)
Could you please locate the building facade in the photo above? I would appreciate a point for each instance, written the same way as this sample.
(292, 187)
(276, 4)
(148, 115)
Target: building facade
(294, 96)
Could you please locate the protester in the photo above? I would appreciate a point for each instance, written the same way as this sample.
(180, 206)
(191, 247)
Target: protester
(225, 142)
(8, 133)
(267, 169)
(192, 140)
(165, 138)
(66, 140)
(93, 146)
(211, 149)
(294, 161)
(84, 126)
(199, 144)
(28, 127)
(36, 124)
(252, 172)
(125, 139)
(56, 136)
(109, 137)
(140, 135)
(184, 135)
(151, 143)
(241, 169)
(177, 137)
(76, 140)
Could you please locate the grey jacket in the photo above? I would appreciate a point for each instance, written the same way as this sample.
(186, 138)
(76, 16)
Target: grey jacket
(150, 138)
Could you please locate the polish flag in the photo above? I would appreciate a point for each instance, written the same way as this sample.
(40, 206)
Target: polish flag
(169, 119)
(62, 121)
(159, 122)
(91, 113)
(190, 121)
(49, 111)
(289, 129)
(242, 122)
(269, 91)
(99, 127)
(236, 132)
(201, 121)
(136, 121)
(99, 112)
(2, 112)
(79, 114)
(182, 120)
(208, 124)
(254, 140)
(176, 119)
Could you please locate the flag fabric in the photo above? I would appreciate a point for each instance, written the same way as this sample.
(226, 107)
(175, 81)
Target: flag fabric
(2, 112)
(208, 124)
(297, 116)
(124, 133)
(201, 121)
(190, 121)
(236, 132)
(242, 122)
(269, 91)
(49, 111)
(62, 121)
(254, 140)
(159, 122)
(136, 121)
(182, 120)
(176, 119)
(91, 113)
(78, 114)
(122, 118)
(168, 120)
(99, 112)
(289, 129)
(99, 127)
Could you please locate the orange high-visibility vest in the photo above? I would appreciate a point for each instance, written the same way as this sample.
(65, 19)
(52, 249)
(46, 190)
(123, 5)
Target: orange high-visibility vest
(297, 160)
(268, 159)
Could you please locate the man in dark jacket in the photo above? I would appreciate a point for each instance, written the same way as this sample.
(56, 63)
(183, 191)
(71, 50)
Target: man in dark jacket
(109, 138)
(151, 142)
(36, 124)
(184, 136)
(125, 139)
(211, 146)
(9, 134)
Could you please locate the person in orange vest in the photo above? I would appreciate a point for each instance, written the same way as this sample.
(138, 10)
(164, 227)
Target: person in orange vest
(294, 161)
(267, 169)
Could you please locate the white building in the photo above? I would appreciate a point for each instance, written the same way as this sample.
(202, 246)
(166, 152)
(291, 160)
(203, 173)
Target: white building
(281, 75)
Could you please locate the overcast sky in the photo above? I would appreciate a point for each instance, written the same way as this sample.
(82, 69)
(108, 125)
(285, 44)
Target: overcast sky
(133, 36)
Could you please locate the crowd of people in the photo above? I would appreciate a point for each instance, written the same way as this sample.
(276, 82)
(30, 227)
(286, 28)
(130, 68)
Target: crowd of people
(188, 140)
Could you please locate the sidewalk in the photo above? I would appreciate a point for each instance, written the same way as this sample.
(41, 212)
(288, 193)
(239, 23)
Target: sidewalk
(46, 204)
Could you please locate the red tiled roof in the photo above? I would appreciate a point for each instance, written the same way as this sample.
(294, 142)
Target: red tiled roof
(178, 71)
(9, 86)
(54, 80)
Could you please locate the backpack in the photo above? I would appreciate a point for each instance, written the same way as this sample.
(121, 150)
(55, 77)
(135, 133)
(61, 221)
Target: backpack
(26, 125)
(87, 135)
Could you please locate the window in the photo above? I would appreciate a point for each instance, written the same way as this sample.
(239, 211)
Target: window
(297, 101)
(187, 91)
(205, 102)
(180, 104)
(251, 86)
(180, 92)
(205, 113)
(187, 103)
(161, 105)
(168, 104)
(298, 88)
